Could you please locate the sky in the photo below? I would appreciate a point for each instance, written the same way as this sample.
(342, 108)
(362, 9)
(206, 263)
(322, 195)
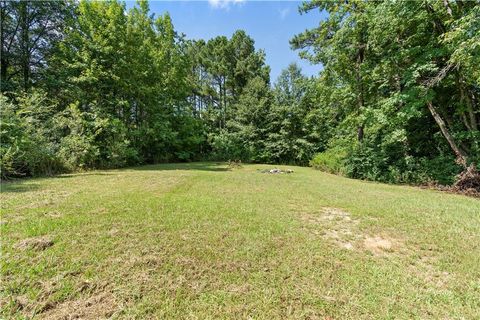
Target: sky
(270, 23)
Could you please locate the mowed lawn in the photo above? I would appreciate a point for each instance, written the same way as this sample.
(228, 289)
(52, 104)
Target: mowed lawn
(199, 241)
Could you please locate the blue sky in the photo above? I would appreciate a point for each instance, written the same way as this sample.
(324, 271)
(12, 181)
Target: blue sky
(270, 23)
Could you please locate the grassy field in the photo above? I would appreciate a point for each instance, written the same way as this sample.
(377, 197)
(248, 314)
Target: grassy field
(198, 241)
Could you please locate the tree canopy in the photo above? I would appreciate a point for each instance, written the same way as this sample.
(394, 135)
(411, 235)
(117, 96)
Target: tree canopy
(93, 85)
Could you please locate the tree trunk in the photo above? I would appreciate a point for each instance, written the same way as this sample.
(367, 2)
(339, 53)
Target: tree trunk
(3, 59)
(25, 44)
(466, 99)
(224, 103)
(360, 133)
(220, 120)
(471, 112)
(448, 8)
(461, 156)
(360, 100)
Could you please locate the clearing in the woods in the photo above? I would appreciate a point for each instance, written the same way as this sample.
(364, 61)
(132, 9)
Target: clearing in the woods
(200, 241)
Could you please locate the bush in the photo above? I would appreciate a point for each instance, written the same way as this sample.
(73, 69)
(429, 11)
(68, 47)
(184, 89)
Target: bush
(380, 164)
(25, 149)
(111, 138)
(365, 162)
(93, 142)
(227, 146)
(441, 169)
(390, 163)
(331, 160)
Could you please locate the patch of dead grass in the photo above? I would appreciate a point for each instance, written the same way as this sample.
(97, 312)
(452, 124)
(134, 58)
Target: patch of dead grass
(340, 228)
(379, 245)
(334, 225)
(53, 214)
(43, 198)
(425, 269)
(100, 305)
(36, 243)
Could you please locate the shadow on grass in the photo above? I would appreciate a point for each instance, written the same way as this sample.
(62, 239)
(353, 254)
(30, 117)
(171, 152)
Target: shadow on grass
(72, 175)
(25, 184)
(17, 185)
(200, 166)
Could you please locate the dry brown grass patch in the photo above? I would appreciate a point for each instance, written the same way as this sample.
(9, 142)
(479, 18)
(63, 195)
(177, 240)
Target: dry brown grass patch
(334, 225)
(101, 305)
(36, 243)
(340, 228)
(379, 245)
(425, 268)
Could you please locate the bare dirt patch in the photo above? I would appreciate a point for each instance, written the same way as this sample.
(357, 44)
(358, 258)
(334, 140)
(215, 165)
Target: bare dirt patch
(346, 235)
(340, 238)
(37, 243)
(338, 227)
(336, 214)
(334, 225)
(379, 245)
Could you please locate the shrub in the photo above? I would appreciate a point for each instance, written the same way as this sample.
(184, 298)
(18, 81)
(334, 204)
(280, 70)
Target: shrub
(441, 169)
(364, 162)
(25, 149)
(331, 160)
(380, 164)
(227, 146)
(111, 139)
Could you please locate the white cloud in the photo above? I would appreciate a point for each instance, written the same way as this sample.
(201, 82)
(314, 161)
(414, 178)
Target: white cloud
(284, 13)
(224, 4)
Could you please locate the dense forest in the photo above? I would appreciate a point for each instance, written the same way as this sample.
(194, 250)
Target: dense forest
(96, 85)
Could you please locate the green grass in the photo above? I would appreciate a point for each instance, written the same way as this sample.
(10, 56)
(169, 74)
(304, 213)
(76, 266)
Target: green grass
(198, 241)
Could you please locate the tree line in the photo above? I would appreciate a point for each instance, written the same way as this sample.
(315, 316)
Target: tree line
(404, 82)
(96, 85)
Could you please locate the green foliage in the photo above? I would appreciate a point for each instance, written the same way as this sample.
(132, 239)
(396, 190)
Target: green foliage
(92, 84)
(30, 31)
(226, 146)
(25, 127)
(270, 126)
(398, 76)
(377, 164)
(331, 160)
(93, 142)
(365, 163)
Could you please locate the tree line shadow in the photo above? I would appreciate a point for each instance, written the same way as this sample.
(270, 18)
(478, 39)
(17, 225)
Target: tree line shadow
(18, 185)
(26, 184)
(195, 166)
